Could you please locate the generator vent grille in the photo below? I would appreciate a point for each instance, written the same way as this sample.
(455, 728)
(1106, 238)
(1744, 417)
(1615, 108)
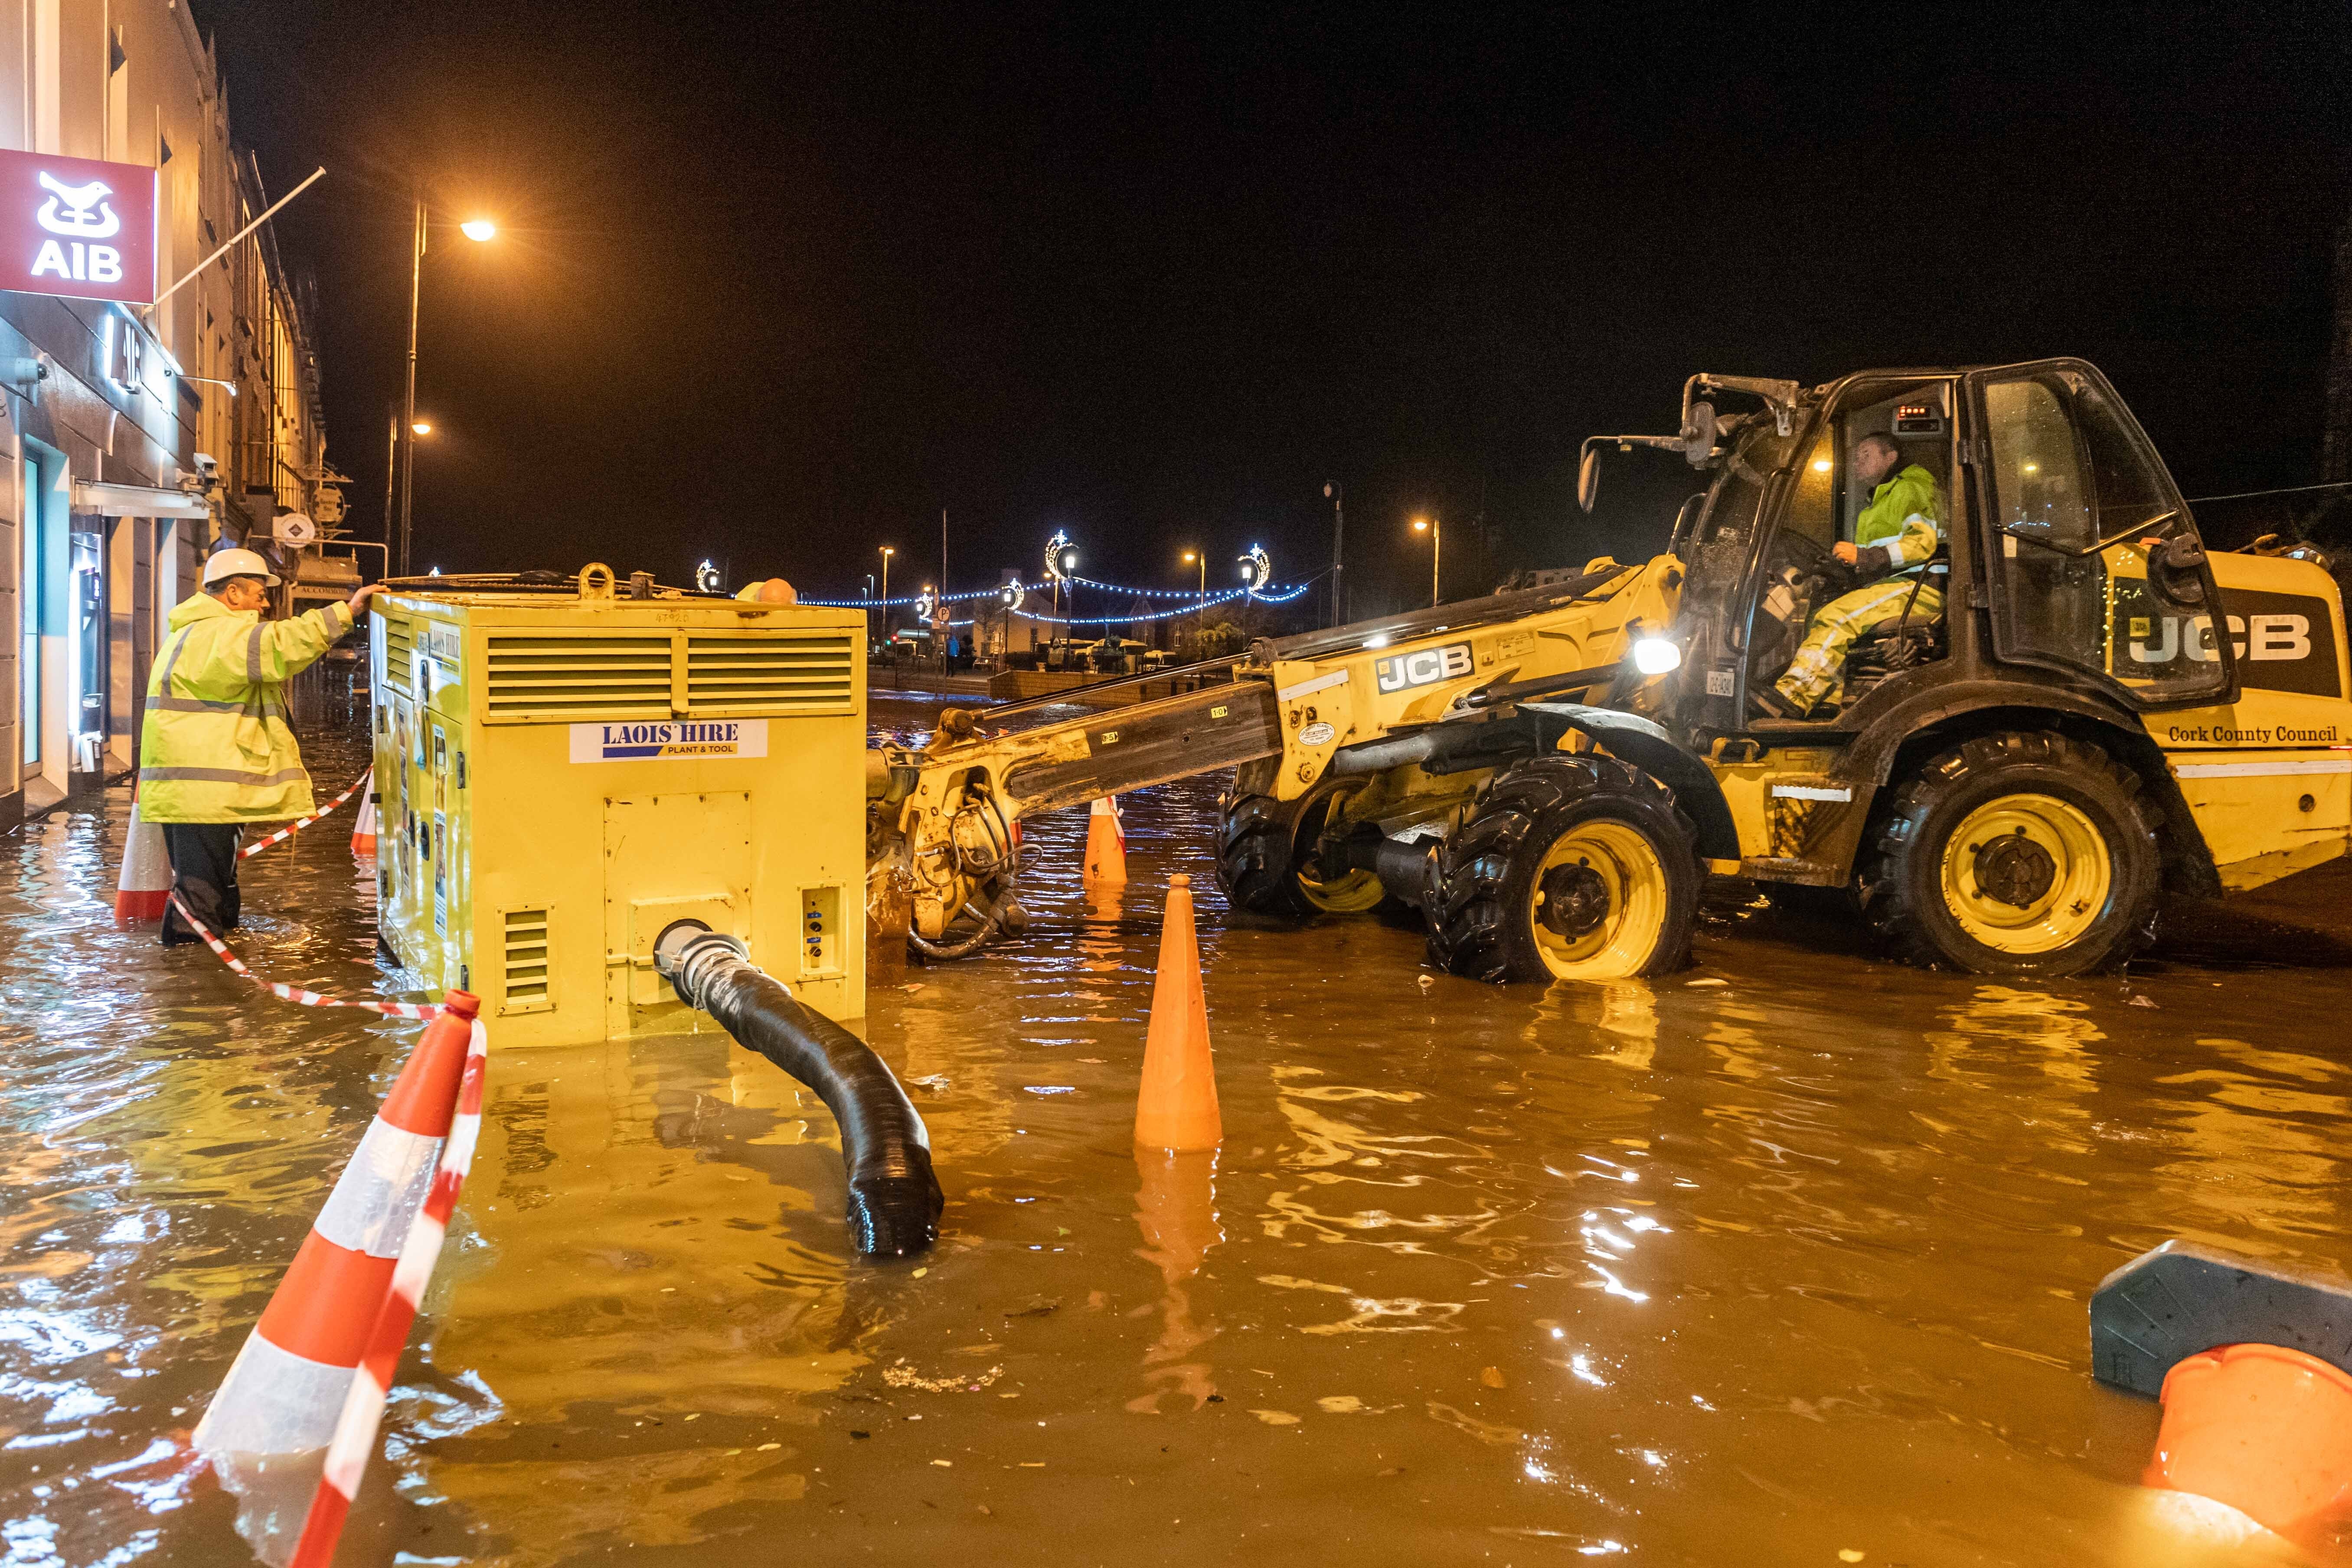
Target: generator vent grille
(750, 676)
(399, 653)
(526, 971)
(583, 677)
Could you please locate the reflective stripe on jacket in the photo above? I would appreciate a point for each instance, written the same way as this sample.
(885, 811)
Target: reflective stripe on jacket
(215, 746)
(1902, 525)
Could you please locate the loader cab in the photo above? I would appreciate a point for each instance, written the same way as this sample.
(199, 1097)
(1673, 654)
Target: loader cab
(2057, 517)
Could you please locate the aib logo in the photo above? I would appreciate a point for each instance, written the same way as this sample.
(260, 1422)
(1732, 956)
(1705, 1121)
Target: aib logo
(83, 216)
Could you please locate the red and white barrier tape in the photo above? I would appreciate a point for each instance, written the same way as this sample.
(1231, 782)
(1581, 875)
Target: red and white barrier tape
(295, 992)
(363, 1414)
(292, 829)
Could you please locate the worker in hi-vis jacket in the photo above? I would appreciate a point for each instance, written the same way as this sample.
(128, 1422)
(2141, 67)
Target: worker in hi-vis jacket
(1893, 540)
(215, 751)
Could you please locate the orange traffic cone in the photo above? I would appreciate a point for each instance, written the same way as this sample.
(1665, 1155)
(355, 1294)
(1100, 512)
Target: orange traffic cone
(1106, 843)
(145, 891)
(2266, 1429)
(1177, 1105)
(363, 825)
(286, 1388)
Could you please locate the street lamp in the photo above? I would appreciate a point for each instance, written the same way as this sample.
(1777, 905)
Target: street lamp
(1436, 532)
(392, 469)
(887, 554)
(478, 230)
(1200, 611)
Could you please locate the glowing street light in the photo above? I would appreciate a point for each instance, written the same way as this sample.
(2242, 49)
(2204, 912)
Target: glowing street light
(476, 229)
(1435, 529)
(1201, 611)
(392, 471)
(886, 553)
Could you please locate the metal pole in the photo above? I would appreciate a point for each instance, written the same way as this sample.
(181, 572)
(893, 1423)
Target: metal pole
(1436, 551)
(391, 470)
(408, 417)
(1339, 536)
(886, 598)
(149, 309)
(942, 607)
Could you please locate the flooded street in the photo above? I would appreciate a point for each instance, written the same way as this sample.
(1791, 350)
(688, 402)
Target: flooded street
(1784, 1258)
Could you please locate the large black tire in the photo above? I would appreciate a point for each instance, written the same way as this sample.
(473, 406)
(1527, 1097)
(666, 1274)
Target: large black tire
(1263, 847)
(1255, 842)
(1623, 892)
(2061, 872)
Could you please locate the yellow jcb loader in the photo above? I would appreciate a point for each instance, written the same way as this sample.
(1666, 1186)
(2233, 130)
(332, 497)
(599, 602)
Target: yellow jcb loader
(2102, 714)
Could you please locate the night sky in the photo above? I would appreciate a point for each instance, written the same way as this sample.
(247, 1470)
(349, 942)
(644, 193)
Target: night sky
(779, 283)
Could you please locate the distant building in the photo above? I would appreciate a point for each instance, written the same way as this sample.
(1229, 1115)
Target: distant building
(112, 411)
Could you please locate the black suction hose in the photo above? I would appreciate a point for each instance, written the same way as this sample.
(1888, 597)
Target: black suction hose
(894, 1199)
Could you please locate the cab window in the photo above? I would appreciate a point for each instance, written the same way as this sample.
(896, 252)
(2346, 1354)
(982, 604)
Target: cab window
(1827, 500)
(1812, 509)
(2085, 511)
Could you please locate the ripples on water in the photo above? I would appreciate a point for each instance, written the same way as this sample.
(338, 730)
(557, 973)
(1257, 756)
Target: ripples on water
(1752, 1272)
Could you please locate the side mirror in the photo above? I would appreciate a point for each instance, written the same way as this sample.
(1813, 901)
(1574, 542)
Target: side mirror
(2174, 568)
(1699, 435)
(1588, 478)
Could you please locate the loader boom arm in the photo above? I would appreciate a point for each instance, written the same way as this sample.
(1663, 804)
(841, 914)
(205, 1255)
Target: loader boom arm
(1108, 752)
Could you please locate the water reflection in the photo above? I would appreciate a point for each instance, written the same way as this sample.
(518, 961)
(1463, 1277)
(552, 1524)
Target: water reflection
(1176, 1208)
(1796, 1261)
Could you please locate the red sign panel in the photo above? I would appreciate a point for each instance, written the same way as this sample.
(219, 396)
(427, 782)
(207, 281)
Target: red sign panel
(78, 227)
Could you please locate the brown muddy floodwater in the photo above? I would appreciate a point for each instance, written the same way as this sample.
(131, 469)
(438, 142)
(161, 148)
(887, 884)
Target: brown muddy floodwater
(1782, 1259)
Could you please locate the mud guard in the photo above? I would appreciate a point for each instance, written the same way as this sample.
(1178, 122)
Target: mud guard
(1632, 739)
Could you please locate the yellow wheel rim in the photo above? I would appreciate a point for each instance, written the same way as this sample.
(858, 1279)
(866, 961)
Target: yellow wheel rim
(1597, 902)
(1355, 893)
(2027, 874)
(1350, 892)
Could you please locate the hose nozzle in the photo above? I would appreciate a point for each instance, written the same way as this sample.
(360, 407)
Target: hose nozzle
(686, 951)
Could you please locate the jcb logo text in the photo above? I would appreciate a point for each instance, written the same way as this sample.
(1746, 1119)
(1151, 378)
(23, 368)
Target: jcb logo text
(1425, 668)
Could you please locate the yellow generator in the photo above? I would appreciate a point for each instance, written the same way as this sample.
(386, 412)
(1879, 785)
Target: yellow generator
(565, 771)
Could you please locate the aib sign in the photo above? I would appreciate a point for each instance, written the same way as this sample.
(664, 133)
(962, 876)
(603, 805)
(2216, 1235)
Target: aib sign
(76, 226)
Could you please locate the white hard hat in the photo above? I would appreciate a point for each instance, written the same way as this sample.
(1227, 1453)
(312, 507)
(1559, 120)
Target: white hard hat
(238, 563)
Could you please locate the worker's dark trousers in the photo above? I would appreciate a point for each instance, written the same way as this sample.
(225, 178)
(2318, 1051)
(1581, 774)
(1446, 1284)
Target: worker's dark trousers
(204, 873)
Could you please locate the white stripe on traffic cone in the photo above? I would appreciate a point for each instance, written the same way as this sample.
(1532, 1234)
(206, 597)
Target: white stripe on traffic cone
(284, 1390)
(363, 1409)
(145, 891)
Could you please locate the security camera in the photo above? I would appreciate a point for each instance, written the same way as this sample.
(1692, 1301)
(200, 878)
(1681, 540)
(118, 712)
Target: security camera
(208, 464)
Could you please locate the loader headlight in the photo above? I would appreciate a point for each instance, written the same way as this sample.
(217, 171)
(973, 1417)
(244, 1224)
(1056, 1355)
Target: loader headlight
(1656, 655)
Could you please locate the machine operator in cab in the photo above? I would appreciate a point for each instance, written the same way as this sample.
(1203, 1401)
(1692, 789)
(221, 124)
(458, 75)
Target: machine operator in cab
(1893, 540)
(215, 751)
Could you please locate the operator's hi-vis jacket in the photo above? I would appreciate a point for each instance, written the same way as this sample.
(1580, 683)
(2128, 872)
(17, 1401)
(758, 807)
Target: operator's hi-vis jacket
(215, 746)
(1901, 527)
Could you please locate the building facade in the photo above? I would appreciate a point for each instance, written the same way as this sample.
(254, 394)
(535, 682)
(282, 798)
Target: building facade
(135, 439)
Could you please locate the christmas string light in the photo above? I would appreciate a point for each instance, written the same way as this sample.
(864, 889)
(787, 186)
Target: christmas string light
(1192, 600)
(1194, 608)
